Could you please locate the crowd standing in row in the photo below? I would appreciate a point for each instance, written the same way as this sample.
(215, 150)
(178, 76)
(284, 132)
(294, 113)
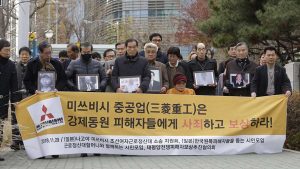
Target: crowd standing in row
(236, 76)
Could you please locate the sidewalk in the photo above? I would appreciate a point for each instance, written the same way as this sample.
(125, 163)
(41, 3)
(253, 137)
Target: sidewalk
(285, 160)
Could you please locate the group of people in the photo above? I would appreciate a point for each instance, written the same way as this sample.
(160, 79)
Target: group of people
(167, 73)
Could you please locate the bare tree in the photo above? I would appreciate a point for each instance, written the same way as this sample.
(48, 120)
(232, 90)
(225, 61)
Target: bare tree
(8, 12)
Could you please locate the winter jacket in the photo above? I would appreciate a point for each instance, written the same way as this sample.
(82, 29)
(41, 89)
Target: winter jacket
(131, 66)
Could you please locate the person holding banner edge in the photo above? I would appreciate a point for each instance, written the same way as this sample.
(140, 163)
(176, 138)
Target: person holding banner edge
(270, 79)
(8, 88)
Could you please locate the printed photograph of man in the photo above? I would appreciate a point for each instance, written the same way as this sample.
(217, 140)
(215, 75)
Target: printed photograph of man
(155, 84)
(88, 83)
(46, 82)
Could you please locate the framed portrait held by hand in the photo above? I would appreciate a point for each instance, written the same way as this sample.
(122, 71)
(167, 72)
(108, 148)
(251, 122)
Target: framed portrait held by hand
(87, 82)
(155, 81)
(129, 84)
(204, 78)
(239, 80)
(46, 81)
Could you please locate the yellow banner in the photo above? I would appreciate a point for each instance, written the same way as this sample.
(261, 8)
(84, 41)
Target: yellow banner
(150, 115)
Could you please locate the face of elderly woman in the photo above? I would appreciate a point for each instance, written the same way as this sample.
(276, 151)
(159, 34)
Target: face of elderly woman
(150, 54)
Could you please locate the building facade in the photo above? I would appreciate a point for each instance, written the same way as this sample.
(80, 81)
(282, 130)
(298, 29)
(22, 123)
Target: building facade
(117, 20)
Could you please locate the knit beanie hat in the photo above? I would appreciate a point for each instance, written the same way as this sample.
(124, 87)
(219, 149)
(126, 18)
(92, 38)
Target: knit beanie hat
(179, 77)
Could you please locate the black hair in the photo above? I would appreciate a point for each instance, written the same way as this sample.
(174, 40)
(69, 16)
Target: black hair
(108, 50)
(74, 47)
(271, 48)
(4, 43)
(231, 45)
(241, 44)
(195, 47)
(96, 55)
(131, 40)
(26, 49)
(175, 51)
(62, 53)
(119, 43)
(154, 35)
(43, 45)
(86, 45)
(212, 53)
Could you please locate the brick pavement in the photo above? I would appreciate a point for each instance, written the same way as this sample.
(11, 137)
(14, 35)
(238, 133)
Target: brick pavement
(287, 159)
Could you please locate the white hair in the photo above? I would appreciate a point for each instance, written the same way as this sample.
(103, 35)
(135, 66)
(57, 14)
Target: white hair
(201, 44)
(150, 45)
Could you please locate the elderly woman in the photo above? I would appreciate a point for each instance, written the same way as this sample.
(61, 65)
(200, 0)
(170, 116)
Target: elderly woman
(150, 54)
(179, 82)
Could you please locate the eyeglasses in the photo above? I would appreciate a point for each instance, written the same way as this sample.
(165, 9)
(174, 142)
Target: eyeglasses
(156, 40)
(201, 49)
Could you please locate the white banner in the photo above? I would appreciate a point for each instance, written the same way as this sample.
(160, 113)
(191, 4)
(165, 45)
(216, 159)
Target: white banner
(152, 145)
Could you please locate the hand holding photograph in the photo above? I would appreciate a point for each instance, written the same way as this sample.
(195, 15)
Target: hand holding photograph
(155, 81)
(46, 81)
(129, 84)
(204, 78)
(239, 80)
(88, 82)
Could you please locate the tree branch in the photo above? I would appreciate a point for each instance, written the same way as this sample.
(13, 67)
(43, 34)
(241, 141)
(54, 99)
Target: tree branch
(38, 7)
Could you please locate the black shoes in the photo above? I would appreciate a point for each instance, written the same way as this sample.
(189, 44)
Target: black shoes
(2, 159)
(83, 155)
(15, 147)
(53, 156)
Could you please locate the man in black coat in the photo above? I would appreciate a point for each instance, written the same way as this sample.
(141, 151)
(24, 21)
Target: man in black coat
(202, 63)
(270, 79)
(44, 63)
(131, 65)
(9, 84)
(240, 65)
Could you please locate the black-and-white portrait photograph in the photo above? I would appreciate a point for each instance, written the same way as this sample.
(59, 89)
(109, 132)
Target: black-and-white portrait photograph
(88, 82)
(155, 81)
(204, 78)
(239, 80)
(129, 84)
(46, 81)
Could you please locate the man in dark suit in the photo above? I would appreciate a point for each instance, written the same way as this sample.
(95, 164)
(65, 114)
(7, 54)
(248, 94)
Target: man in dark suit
(44, 62)
(270, 79)
(131, 65)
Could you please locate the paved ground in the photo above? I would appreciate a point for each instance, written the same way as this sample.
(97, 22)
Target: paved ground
(287, 159)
